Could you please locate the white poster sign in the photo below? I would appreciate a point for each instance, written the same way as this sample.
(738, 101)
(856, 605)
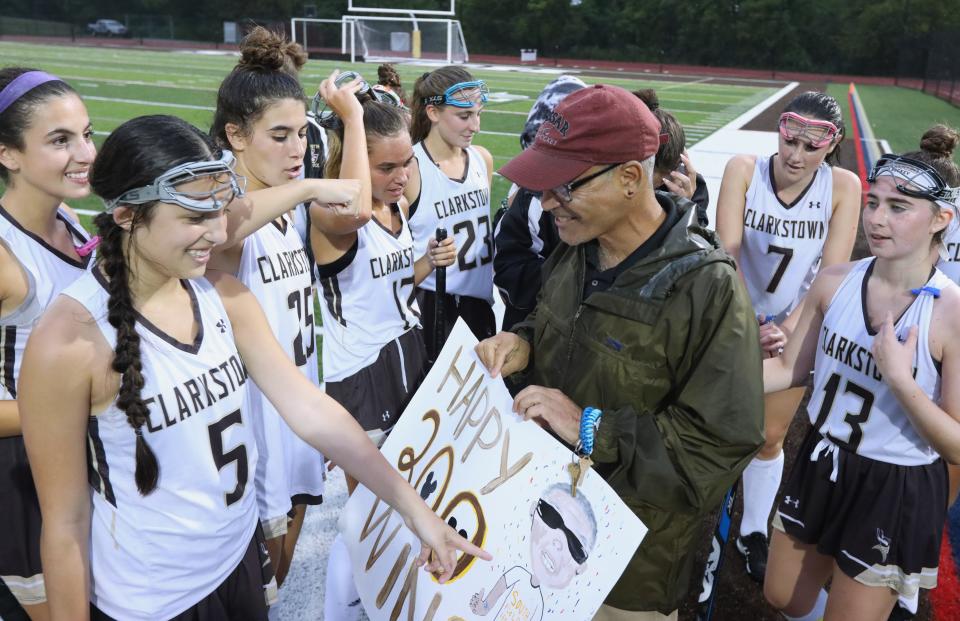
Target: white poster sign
(505, 485)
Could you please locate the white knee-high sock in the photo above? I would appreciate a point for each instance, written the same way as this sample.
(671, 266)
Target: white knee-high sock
(341, 602)
(814, 615)
(761, 480)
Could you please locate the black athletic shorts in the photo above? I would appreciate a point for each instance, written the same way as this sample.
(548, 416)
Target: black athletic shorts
(19, 525)
(243, 596)
(881, 522)
(377, 393)
(477, 313)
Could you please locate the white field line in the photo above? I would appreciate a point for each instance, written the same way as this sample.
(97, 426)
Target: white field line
(752, 113)
(682, 84)
(143, 102)
(79, 78)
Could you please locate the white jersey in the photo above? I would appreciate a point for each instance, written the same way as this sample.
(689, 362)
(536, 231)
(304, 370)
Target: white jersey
(275, 266)
(782, 244)
(463, 208)
(949, 262)
(368, 298)
(851, 404)
(154, 556)
(48, 271)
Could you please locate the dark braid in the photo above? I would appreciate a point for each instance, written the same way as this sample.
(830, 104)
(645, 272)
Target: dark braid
(133, 156)
(126, 359)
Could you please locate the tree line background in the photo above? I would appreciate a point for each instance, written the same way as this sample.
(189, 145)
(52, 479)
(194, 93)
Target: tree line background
(867, 37)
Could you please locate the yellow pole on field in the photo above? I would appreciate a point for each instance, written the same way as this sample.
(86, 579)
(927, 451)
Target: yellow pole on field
(416, 43)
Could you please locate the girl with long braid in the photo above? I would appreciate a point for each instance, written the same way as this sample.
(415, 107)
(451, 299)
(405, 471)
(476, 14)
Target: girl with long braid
(46, 148)
(152, 360)
(450, 187)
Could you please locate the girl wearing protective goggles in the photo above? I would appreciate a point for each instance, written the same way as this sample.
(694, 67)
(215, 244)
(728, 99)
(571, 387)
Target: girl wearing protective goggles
(866, 500)
(46, 149)
(784, 217)
(450, 188)
(151, 361)
(261, 117)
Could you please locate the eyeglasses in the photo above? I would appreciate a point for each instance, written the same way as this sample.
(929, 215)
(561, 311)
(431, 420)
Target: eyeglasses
(564, 193)
(818, 132)
(461, 95)
(164, 188)
(915, 178)
(552, 518)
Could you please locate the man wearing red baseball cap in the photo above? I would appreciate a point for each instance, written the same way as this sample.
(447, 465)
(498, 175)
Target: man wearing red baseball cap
(643, 352)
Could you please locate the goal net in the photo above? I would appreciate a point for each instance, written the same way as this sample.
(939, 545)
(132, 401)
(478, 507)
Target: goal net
(406, 38)
(377, 39)
(321, 37)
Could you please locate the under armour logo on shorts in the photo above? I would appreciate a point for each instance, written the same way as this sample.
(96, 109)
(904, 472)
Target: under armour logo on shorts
(883, 546)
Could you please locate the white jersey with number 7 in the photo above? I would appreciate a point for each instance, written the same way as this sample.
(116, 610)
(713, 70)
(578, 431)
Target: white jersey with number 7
(783, 243)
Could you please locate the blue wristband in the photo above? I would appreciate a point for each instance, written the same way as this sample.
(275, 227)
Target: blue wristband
(589, 423)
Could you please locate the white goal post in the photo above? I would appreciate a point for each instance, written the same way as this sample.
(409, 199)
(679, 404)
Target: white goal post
(377, 38)
(356, 6)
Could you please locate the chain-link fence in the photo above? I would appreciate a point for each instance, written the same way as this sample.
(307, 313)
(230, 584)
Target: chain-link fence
(35, 27)
(142, 26)
(931, 63)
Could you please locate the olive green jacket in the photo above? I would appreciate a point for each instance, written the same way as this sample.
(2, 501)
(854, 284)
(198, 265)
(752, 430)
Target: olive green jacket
(670, 353)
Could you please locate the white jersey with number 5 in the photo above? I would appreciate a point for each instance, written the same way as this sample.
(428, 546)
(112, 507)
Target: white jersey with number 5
(462, 206)
(851, 404)
(368, 298)
(154, 556)
(782, 244)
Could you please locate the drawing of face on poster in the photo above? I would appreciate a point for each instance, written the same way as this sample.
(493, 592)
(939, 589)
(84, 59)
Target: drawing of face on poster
(563, 531)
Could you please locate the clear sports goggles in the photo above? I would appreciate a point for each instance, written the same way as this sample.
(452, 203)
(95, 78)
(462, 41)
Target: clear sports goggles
(164, 188)
(917, 179)
(380, 94)
(461, 95)
(817, 132)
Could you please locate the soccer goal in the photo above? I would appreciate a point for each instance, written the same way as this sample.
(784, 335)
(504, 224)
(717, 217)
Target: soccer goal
(407, 38)
(410, 33)
(322, 37)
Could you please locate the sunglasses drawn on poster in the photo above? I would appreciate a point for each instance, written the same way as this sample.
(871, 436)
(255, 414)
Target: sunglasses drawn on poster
(563, 531)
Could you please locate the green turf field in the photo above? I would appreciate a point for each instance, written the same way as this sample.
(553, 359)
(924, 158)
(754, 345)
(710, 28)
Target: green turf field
(118, 84)
(900, 115)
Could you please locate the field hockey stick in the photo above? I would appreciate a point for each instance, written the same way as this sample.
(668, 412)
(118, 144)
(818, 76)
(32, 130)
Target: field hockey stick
(718, 544)
(439, 327)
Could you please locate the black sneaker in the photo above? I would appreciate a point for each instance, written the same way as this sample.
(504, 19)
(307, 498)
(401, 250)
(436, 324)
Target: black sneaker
(753, 548)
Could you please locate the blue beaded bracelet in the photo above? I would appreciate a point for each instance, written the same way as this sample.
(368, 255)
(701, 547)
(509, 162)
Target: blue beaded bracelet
(589, 423)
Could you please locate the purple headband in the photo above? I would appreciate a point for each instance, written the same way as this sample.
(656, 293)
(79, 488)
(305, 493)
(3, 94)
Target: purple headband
(21, 84)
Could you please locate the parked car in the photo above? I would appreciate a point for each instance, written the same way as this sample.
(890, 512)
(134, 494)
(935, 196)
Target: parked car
(107, 28)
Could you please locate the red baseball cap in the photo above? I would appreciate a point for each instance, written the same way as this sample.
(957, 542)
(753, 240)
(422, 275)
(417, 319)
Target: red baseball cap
(600, 124)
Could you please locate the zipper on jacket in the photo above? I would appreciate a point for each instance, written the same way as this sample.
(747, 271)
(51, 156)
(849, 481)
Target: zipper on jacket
(573, 331)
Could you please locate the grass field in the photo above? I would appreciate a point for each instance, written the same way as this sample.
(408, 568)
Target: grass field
(119, 84)
(900, 115)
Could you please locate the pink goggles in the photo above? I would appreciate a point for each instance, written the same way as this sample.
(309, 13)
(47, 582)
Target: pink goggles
(818, 133)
